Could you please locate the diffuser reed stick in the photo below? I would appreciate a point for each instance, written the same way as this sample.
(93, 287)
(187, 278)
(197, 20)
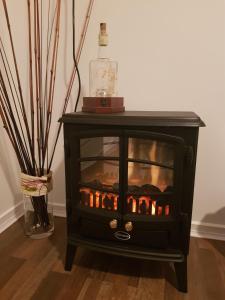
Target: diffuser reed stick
(29, 129)
(73, 74)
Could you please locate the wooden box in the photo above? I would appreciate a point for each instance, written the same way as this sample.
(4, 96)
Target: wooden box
(103, 105)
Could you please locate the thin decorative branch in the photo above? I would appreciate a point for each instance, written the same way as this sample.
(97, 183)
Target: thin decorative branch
(17, 73)
(52, 82)
(9, 130)
(73, 74)
(12, 87)
(79, 51)
(37, 85)
(39, 71)
(48, 43)
(10, 135)
(7, 108)
(29, 131)
(44, 104)
(31, 84)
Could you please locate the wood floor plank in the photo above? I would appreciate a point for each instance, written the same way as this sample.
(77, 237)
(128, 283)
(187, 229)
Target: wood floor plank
(152, 280)
(100, 266)
(211, 276)
(9, 266)
(25, 250)
(49, 286)
(133, 293)
(24, 282)
(10, 239)
(72, 286)
(217, 247)
(195, 285)
(35, 278)
(105, 291)
(35, 270)
(30, 271)
(80, 272)
(93, 289)
(134, 275)
(12, 232)
(119, 275)
(84, 289)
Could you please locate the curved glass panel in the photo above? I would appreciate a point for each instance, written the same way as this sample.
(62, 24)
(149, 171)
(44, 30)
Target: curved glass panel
(148, 177)
(99, 186)
(99, 146)
(101, 174)
(151, 150)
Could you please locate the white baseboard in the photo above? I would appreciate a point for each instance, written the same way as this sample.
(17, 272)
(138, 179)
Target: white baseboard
(11, 216)
(17, 211)
(59, 210)
(198, 229)
(208, 230)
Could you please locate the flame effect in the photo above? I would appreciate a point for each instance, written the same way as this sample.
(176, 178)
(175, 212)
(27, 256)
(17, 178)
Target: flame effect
(159, 210)
(142, 205)
(98, 199)
(97, 194)
(146, 205)
(155, 151)
(167, 210)
(153, 207)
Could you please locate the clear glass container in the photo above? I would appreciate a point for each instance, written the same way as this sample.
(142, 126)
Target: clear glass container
(103, 70)
(103, 77)
(38, 216)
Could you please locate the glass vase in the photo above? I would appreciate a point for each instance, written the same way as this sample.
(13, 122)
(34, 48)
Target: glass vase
(38, 216)
(38, 209)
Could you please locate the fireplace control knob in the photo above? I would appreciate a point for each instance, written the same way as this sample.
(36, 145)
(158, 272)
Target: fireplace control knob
(113, 224)
(128, 226)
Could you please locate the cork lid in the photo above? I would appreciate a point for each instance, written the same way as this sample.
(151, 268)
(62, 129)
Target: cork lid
(103, 36)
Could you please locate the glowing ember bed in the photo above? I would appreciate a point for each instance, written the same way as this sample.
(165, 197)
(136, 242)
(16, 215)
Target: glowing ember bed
(129, 184)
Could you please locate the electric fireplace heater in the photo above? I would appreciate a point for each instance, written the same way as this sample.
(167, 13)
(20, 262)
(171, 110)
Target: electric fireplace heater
(129, 184)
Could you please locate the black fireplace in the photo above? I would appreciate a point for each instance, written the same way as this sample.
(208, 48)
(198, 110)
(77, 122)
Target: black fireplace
(129, 184)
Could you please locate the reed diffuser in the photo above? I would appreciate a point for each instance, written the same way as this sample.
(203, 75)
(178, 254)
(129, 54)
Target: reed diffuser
(28, 125)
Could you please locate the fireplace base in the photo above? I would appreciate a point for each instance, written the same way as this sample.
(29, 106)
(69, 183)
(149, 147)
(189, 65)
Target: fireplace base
(179, 260)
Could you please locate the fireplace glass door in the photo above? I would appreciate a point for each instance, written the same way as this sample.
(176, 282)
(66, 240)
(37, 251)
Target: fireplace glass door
(150, 178)
(127, 183)
(99, 173)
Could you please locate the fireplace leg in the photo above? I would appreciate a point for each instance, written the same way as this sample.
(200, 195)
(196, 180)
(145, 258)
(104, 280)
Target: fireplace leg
(70, 253)
(181, 274)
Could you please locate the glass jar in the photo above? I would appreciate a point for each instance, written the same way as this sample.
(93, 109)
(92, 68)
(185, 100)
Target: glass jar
(38, 207)
(38, 216)
(103, 78)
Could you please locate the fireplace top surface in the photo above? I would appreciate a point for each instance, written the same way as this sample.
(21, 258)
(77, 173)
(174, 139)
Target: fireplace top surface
(137, 118)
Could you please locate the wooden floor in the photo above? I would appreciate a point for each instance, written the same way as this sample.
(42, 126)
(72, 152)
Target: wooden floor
(33, 269)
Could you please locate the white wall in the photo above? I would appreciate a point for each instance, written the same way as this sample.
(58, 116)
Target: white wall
(171, 56)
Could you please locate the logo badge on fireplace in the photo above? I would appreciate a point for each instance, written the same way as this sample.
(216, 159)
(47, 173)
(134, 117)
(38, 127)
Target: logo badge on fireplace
(122, 235)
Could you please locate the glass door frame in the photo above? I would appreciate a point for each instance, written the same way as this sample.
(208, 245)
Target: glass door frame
(179, 151)
(124, 135)
(75, 167)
